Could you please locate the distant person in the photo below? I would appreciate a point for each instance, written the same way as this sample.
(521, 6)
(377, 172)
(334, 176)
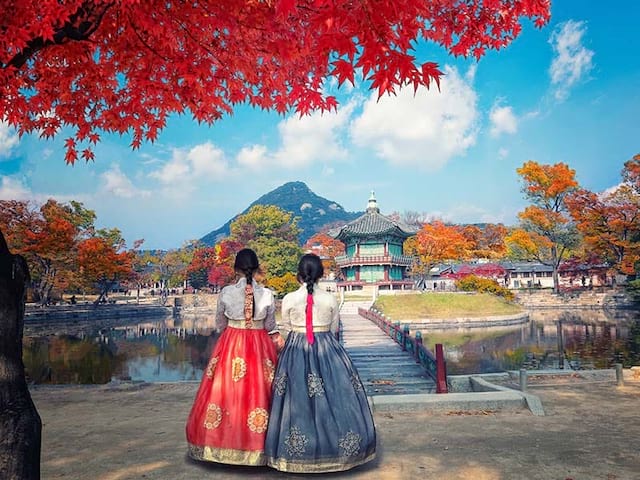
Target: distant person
(320, 418)
(73, 300)
(229, 417)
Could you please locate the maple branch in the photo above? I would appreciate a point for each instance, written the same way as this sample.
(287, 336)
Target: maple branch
(80, 26)
(144, 42)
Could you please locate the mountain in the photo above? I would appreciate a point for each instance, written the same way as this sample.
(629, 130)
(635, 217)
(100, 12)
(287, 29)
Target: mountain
(295, 197)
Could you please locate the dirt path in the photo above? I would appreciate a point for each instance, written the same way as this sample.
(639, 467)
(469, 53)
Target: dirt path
(591, 431)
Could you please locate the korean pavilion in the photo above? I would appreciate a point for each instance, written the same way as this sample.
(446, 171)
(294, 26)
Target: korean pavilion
(374, 253)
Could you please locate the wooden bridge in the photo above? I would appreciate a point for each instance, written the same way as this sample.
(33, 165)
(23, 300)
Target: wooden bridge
(384, 367)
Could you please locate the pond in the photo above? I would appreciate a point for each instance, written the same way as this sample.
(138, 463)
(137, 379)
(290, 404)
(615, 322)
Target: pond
(178, 348)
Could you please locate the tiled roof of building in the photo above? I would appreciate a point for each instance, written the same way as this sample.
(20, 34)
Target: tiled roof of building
(373, 223)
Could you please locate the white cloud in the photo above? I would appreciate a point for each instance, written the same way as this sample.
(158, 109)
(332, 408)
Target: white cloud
(572, 60)
(503, 153)
(312, 138)
(118, 184)
(503, 120)
(8, 139)
(12, 189)
(253, 156)
(426, 129)
(202, 162)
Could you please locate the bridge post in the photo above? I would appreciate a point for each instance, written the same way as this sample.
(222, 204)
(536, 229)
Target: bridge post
(441, 370)
(418, 345)
(405, 336)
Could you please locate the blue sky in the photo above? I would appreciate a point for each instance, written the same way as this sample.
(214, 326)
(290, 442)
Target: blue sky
(567, 93)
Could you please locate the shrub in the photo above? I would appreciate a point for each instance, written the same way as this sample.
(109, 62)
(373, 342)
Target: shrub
(473, 283)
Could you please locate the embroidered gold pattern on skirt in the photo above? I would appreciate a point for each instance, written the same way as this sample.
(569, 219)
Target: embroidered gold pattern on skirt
(350, 444)
(211, 366)
(258, 420)
(357, 384)
(269, 369)
(296, 442)
(213, 417)
(238, 368)
(281, 384)
(315, 385)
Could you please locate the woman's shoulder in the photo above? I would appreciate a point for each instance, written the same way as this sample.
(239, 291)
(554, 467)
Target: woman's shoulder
(262, 289)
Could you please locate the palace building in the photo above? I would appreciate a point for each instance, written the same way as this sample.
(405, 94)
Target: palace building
(374, 253)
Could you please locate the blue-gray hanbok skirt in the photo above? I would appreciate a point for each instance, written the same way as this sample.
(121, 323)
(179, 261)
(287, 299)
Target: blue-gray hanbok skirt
(320, 419)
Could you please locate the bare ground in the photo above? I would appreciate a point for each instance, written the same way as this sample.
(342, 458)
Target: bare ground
(136, 431)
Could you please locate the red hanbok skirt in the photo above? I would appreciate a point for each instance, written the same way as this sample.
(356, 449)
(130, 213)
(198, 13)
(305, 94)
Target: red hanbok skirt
(229, 417)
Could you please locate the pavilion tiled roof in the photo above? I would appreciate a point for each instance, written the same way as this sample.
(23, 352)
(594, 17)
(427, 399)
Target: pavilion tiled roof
(372, 224)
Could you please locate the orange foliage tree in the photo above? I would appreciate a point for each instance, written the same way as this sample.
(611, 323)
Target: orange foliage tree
(221, 273)
(434, 243)
(47, 237)
(546, 232)
(327, 248)
(203, 260)
(125, 66)
(486, 241)
(610, 221)
(104, 261)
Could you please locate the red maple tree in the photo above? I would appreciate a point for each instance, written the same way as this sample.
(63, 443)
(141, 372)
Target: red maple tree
(124, 66)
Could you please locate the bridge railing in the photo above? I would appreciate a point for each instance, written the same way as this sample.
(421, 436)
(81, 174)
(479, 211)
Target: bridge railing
(434, 365)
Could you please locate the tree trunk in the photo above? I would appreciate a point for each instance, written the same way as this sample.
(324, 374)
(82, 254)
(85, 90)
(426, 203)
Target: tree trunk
(20, 424)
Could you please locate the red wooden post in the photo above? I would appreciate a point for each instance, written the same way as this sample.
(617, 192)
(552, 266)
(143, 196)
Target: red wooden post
(441, 370)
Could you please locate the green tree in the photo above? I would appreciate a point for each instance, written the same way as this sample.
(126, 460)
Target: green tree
(273, 234)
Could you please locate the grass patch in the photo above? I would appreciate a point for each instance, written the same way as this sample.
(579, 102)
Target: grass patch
(444, 305)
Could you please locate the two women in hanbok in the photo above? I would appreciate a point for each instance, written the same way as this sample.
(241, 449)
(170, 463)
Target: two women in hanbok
(319, 419)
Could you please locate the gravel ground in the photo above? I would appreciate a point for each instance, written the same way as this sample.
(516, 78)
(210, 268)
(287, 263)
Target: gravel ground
(136, 431)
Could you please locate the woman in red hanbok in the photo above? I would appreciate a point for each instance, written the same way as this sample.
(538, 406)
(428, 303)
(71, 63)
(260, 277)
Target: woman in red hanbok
(230, 413)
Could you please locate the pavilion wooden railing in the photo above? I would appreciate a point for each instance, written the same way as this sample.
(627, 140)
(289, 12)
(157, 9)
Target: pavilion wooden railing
(434, 365)
(403, 260)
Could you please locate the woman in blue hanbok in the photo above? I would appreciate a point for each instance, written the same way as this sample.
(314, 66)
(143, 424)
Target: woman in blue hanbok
(320, 419)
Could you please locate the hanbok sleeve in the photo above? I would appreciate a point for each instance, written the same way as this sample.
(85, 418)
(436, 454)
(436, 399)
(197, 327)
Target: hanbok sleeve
(335, 320)
(270, 319)
(221, 319)
(284, 325)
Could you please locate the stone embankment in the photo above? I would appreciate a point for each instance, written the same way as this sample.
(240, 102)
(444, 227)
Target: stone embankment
(468, 322)
(85, 317)
(588, 299)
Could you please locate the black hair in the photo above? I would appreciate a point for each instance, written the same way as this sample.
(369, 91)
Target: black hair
(246, 263)
(310, 270)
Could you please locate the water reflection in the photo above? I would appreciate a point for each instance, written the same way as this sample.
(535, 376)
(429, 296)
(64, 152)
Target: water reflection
(551, 339)
(177, 349)
(170, 349)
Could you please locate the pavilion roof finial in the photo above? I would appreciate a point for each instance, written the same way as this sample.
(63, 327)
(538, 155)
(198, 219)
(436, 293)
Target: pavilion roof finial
(372, 206)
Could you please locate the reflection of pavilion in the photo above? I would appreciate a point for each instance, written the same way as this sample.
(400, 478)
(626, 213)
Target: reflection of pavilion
(374, 252)
(180, 327)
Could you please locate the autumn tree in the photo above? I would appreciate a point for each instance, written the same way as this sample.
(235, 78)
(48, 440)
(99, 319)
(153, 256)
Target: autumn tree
(204, 259)
(327, 248)
(610, 221)
(434, 243)
(486, 240)
(125, 66)
(546, 233)
(47, 237)
(104, 261)
(222, 272)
